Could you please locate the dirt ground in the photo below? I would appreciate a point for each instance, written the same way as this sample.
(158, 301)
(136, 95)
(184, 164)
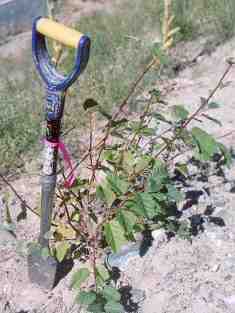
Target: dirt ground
(175, 275)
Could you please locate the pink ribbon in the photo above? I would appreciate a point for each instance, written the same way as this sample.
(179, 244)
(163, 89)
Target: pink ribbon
(70, 180)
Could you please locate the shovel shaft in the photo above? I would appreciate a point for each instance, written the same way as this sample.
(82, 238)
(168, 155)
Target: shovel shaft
(48, 191)
(48, 182)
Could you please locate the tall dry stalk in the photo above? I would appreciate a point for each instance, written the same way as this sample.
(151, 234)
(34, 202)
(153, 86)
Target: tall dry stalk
(168, 31)
(57, 49)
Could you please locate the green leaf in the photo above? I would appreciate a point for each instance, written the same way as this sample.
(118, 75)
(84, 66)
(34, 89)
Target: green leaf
(206, 144)
(214, 105)
(104, 193)
(79, 278)
(118, 185)
(96, 307)
(146, 131)
(111, 294)
(135, 126)
(114, 235)
(160, 197)
(158, 178)
(89, 103)
(158, 52)
(182, 168)
(113, 307)
(86, 298)
(173, 194)
(160, 117)
(143, 205)
(155, 92)
(111, 156)
(127, 219)
(119, 122)
(117, 134)
(62, 250)
(179, 112)
(185, 136)
(102, 275)
(45, 252)
(142, 163)
(226, 154)
(128, 161)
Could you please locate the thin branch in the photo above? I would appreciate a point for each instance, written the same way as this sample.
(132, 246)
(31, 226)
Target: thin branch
(18, 195)
(206, 101)
(198, 111)
(227, 134)
(102, 143)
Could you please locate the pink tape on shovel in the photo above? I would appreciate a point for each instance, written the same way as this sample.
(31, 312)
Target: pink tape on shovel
(69, 182)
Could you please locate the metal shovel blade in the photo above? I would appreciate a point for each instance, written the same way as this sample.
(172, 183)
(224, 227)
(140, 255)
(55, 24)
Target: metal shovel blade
(42, 268)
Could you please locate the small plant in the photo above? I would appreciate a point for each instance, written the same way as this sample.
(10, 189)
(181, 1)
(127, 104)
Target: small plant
(127, 186)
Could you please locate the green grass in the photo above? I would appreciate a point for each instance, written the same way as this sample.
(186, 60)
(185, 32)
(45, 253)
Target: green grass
(20, 105)
(121, 46)
(194, 17)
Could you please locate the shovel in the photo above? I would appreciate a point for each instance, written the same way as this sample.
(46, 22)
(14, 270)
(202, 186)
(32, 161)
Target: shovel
(42, 269)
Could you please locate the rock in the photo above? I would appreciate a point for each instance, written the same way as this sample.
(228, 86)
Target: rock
(159, 237)
(216, 234)
(192, 169)
(227, 214)
(229, 174)
(215, 268)
(228, 186)
(229, 265)
(218, 200)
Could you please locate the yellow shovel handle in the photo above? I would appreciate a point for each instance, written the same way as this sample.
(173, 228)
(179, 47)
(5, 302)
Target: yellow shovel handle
(59, 32)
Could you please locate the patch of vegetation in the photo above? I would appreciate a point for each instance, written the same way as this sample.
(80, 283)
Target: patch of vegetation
(121, 44)
(20, 115)
(196, 17)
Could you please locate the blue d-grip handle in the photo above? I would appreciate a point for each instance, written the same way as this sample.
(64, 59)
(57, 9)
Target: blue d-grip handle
(56, 83)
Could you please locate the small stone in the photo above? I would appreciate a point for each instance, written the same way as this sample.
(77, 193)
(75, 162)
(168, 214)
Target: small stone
(218, 200)
(229, 174)
(228, 277)
(228, 187)
(192, 170)
(229, 264)
(218, 211)
(159, 237)
(216, 234)
(215, 268)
